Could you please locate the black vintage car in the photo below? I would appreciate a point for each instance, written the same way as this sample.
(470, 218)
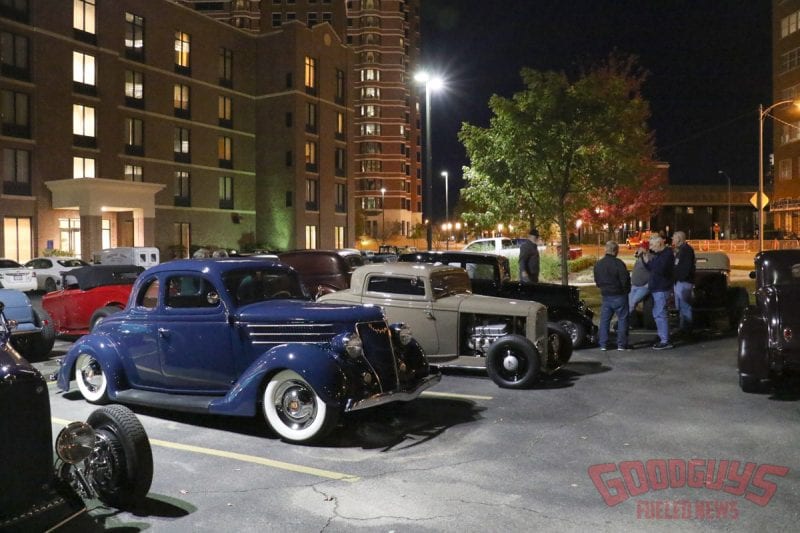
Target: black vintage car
(716, 305)
(767, 345)
(107, 457)
(490, 275)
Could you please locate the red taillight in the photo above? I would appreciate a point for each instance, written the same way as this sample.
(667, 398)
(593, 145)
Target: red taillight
(787, 334)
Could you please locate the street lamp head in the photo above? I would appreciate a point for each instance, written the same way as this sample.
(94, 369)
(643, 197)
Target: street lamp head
(444, 174)
(383, 190)
(431, 83)
(422, 77)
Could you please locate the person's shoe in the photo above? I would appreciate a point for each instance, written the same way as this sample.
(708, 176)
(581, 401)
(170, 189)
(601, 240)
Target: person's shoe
(603, 348)
(662, 346)
(625, 348)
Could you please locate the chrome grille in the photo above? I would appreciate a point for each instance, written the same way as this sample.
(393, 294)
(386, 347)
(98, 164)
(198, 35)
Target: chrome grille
(377, 341)
(283, 333)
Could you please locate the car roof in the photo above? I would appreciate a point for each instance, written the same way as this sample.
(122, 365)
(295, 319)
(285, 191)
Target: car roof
(218, 265)
(441, 255)
(402, 269)
(89, 277)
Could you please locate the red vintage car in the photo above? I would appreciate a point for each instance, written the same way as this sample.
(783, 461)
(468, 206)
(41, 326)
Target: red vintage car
(89, 295)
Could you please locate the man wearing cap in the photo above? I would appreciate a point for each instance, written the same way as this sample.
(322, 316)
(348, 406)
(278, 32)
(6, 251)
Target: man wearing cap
(529, 258)
(612, 278)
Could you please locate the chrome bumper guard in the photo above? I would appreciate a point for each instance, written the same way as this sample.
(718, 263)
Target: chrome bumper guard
(393, 396)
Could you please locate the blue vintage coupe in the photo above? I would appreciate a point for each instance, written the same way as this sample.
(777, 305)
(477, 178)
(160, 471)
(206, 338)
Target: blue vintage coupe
(232, 336)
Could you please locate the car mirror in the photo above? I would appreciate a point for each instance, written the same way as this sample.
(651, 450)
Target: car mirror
(752, 274)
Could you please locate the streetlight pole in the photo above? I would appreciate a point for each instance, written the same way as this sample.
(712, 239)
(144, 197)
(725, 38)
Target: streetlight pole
(729, 202)
(383, 213)
(430, 83)
(446, 198)
(762, 114)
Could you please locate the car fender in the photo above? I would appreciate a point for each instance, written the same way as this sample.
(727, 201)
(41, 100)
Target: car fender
(18, 307)
(103, 349)
(314, 363)
(753, 356)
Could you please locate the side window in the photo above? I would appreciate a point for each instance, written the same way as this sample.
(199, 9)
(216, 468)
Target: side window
(507, 243)
(190, 291)
(387, 284)
(149, 296)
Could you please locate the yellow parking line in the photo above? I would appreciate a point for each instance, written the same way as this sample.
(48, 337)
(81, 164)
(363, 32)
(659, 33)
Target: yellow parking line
(454, 395)
(328, 474)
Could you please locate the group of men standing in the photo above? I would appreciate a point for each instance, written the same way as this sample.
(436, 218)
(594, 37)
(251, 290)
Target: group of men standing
(659, 270)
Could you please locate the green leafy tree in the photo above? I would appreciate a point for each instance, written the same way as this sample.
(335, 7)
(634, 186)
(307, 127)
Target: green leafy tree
(560, 144)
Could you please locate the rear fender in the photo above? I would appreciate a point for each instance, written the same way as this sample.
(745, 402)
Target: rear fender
(315, 364)
(753, 357)
(105, 352)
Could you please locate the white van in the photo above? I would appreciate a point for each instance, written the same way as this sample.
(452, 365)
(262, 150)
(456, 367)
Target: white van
(143, 256)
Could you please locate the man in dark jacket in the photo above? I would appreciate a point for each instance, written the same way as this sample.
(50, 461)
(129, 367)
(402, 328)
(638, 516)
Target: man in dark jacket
(612, 278)
(660, 264)
(529, 258)
(684, 280)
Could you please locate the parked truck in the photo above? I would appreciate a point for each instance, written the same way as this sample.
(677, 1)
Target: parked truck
(143, 256)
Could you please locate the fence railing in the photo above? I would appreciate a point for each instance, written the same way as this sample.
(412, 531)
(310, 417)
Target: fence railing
(743, 245)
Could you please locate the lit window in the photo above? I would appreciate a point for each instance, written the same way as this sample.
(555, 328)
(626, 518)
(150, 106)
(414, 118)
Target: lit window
(134, 34)
(311, 237)
(225, 109)
(181, 141)
(311, 116)
(311, 153)
(83, 122)
(134, 133)
(182, 49)
(82, 167)
(338, 237)
(134, 85)
(311, 73)
(83, 13)
(225, 149)
(182, 188)
(83, 69)
(339, 123)
(180, 101)
(133, 173)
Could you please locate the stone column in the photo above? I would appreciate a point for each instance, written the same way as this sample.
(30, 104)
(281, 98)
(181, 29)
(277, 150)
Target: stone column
(91, 235)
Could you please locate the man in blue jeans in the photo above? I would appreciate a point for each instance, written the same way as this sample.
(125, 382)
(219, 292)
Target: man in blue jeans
(684, 281)
(612, 278)
(660, 264)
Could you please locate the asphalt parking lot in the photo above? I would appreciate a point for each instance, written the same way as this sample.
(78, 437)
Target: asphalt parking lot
(615, 441)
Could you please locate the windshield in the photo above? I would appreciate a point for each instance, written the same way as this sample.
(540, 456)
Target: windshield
(449, 283)
(258, 285)
(72, 262)
(785, 275)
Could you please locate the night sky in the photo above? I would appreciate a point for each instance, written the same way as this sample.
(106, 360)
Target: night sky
(708, 61)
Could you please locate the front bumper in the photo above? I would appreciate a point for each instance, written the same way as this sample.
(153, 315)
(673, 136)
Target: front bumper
(394, 396)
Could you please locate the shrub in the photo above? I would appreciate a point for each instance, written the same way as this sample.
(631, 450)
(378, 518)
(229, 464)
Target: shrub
(550, 266)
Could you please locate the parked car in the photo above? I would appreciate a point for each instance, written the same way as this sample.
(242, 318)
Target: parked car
(107, 457)
(495, 245)
(15, 276)
(490, 274)
(715, 304)
(637, 238)
(235, 336)
(768, 347)
(49, 270)
(322, 271)
(510, 338)
(33, 334)
(89, 295)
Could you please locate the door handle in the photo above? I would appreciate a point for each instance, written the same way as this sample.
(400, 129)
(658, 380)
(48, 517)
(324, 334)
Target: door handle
(163, 332)
(429, 314)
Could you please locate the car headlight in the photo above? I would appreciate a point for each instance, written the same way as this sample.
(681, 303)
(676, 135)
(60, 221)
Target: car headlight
(404, 334)
(354, 347)
(75, 442)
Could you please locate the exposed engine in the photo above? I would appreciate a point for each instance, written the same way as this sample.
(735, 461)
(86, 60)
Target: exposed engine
(481, 337)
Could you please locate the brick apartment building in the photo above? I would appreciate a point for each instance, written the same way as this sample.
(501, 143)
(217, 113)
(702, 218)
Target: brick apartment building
(385, 35)
(151, 123)
(785, 206)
